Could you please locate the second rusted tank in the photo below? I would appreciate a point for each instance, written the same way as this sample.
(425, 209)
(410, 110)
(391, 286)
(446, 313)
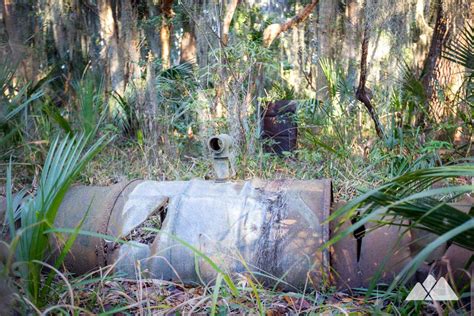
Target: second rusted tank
(279, 126)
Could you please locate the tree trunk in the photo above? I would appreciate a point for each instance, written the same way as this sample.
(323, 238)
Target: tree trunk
(188, 44)
(165, 32)
(424, 32)
(111, 51)
(361, 93)
(351, 38)
(59, 29)
(229, 14)
(165, 38)
(439, 73)
(327, 40)
(225, 94)
(431, 74)
(151, 30)
(18, 26)
(130, 42)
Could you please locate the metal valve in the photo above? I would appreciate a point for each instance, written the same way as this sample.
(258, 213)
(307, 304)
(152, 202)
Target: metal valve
(222, 158)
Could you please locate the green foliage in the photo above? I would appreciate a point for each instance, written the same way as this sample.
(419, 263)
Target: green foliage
(461, 51)
(411, 97)
(176, 90)
(90, 103)
(339, 88)
(125, 114)
(37, 213)
(281, 91)
(333, 117)
(334, 138)
(53, 113)
(249, 23)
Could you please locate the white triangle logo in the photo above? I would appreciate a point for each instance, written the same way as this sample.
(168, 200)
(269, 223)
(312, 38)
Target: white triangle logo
(417, 294)
(443, 292)
(432, 290)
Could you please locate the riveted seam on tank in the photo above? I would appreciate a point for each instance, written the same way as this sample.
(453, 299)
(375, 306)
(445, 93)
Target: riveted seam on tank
(102, 253)
(327, 201)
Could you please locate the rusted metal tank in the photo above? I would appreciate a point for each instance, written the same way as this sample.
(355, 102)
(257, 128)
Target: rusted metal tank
(275, 228)
(279, 126)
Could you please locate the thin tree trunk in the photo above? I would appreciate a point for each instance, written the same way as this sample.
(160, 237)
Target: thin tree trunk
(130, 42)
(151, 30)
(225, 98)
(361, 93)
(229, 14)
(59, 30)
(153, 128)
(220, 88)
(351, 38)
(165, 38)
(165, 32)
(19, 30)
(425, 33)
(327, 41)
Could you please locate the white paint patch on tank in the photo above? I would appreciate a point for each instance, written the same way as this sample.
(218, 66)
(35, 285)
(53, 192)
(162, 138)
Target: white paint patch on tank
(146, 198)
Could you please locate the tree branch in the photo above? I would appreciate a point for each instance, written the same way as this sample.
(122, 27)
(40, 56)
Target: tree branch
(361, 93)
(229, 14)
(272, 31)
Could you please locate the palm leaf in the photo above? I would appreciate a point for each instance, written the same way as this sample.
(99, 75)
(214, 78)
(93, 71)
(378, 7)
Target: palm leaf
(461, 51)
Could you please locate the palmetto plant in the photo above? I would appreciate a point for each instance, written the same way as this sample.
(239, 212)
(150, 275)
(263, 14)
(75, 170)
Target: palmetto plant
(412, 93)
(339, 86)
(90, 99)
(410, 197)
(36, 213)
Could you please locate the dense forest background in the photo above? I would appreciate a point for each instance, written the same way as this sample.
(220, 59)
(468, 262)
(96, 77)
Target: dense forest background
(185, 69)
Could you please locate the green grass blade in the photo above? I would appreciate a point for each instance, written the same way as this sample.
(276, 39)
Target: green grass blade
(215, 294)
